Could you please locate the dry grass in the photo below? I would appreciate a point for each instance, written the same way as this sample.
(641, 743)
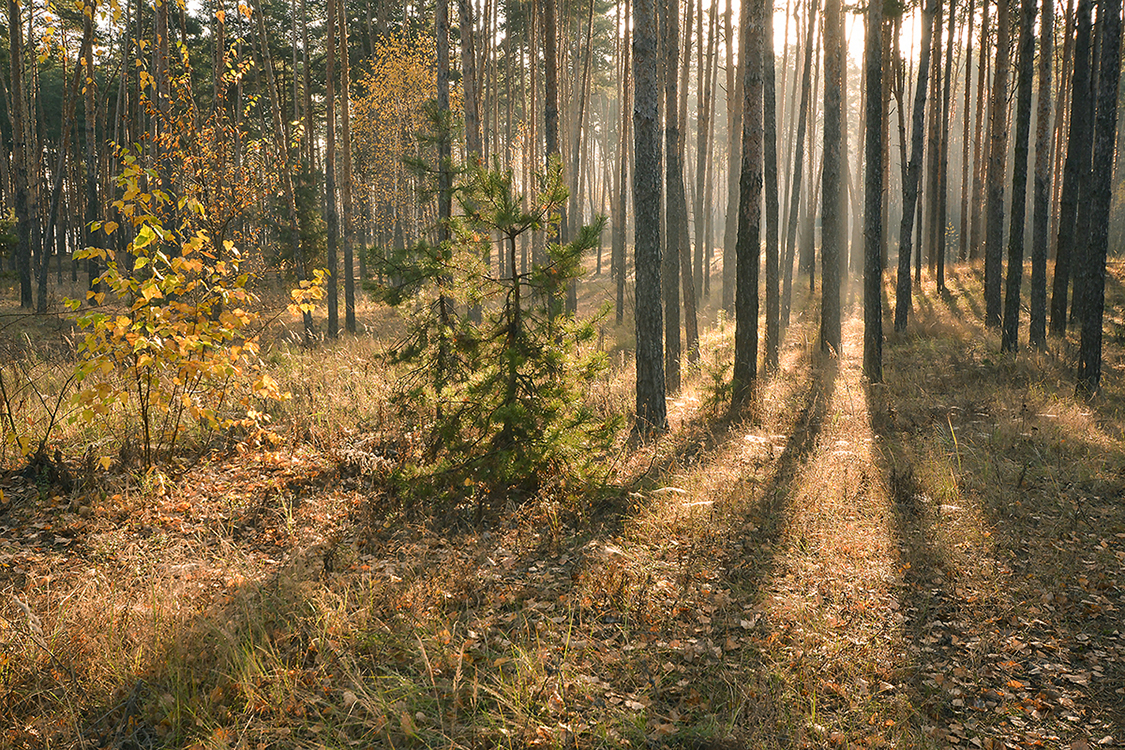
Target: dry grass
(932, 562)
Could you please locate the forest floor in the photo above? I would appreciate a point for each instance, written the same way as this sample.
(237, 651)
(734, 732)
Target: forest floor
(938, 561)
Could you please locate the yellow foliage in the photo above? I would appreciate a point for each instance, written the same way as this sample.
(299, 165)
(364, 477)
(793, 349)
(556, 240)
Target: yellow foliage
(387, 115)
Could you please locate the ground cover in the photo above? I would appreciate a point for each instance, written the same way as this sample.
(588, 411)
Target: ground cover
(938, 561)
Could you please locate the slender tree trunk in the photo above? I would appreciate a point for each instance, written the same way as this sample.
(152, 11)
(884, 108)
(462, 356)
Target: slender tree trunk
(933, 152)
(93, 205)
(943, 159)
(60, 166)
(1009, 341)
(734, 129)
(1079, 262)
(979, 144)
(651, 408)
(798, 167)
(1109, 72)
(1038, 326)
(286, 172)
(620, 222)
(331, 214)
(913, 173)
(873, 199)
(704, 63)
(346, 186)
(833, 224)
(469, 80)
(1078, 155)
(20, 160)
(673, 175)
(1062, 107)
(769, 117)
(745, 373)
(963, 246)
(994, 249)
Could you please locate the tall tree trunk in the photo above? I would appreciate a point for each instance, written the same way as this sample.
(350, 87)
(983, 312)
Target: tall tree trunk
(1078, 155)
(994, 248)
(913, 173)
(744, 377)
(346, 187)
(832, 236)
(1062, 107)
(1080, 248)
(1038, 326)
(330, 178)
(873, 199)
(651, 408)
(943, 158)
(769, 118)
(933, 153)
(60, 165)
(1009, 341)
(620, 221)
(93, 205)
(798, 166)
(677, 199)
(963, 246)
(469, 80)
(286, 173)
(734, 129)
(704, 64)
(980, 151)
(1109, 72)
(673, 171)
(21, 165)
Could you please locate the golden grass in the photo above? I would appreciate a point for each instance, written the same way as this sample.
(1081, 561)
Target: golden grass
(931, 562)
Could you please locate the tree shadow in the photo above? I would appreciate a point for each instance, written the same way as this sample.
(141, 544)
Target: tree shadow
(1018, 662)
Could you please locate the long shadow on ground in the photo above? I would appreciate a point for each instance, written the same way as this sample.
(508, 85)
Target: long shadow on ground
(1015, 651)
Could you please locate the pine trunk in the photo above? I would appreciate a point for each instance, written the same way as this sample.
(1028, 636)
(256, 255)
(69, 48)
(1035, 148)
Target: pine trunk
(1105, 128)
(1009, 341)
(1038, 325)
(873, 199)
(913, 174)
(651, 408)
(997, 164)
(1078, 154)
(749, 210)
(833, 224)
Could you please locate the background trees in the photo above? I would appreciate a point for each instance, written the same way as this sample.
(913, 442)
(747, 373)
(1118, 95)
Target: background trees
(346, 99)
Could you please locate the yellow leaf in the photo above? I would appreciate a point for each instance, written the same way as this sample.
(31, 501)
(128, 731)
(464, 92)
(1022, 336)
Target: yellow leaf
(105, 462)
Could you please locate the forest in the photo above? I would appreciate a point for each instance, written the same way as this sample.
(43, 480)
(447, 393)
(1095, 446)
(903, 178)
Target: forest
(565, 373)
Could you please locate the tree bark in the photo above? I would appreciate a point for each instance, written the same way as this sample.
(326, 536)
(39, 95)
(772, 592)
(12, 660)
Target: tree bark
(331, 215)
(620, 220)
(913, 173)
(832, 237)
(1078, 154)
(286, 172)
(979, 149)
(963, 238)
(749, 210)
(1009, 341)
(1101, 182)
(1038, 325)
(798, 167)
(650, 408)
(769, 117)
(994, 248)
(346, 177)
(20, 153)
(734, 130)
(873, 199)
